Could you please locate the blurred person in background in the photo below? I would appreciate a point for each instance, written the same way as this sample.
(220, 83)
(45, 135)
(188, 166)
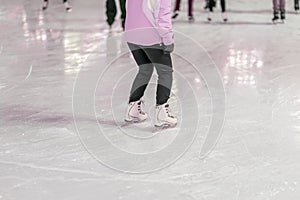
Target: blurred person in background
(190, 10)
(65, 2)
(111, 12)
(278, 8)
(296, 5)
(206, 7)
(212, 4)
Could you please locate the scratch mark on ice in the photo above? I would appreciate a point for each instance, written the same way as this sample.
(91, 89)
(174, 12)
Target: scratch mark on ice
(29, 73)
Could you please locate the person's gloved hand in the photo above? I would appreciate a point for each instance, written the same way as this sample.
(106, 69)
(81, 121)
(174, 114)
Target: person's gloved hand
(168, 48)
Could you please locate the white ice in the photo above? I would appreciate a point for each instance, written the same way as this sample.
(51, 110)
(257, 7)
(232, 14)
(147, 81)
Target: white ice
(64, 84)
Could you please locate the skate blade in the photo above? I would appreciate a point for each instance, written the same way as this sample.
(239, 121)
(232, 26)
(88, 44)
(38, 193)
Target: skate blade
(133, 121)
(166, 125)
(279, 22)
(163, 127)
(174, 17)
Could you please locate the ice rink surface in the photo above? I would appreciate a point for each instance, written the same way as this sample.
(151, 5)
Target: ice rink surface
(64, 84)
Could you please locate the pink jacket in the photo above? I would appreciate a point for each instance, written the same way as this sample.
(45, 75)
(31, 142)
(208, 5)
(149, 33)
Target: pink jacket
(148, 22)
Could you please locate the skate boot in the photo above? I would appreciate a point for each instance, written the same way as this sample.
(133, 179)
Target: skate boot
(191, 19)
(164, 118)
(276, 16)
(282, 15)
(224, 16)
(68, 7)
(209, 18)
(135, 113)
(175, 15)
(45, 6)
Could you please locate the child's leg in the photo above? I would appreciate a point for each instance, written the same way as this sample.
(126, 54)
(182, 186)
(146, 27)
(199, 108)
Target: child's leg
(177, 5)
(144, 74)
(276, 8)
(164, 68)
(276, 5)
(123, 8)
(165, 79)
(206, 4)
(223, 5)
(46, 3)
(191, 7)
(68, 7)
(176, 9)
(111, 11)
(223, 8)
(282, 9)
(282, 5)
(123, 12)
(211, 5)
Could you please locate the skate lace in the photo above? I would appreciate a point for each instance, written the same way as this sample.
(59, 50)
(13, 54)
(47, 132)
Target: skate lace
(139, 107)
(168, 111)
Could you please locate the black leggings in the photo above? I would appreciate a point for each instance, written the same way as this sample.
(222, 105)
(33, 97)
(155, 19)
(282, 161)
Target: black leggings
(211, 4)
(64, 1)
(148, 57)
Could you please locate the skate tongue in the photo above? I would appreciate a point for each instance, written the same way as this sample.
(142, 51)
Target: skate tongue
(140, 102)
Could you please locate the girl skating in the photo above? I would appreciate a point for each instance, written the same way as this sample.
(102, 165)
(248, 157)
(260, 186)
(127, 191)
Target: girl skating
(296, 5)
(150, 37)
